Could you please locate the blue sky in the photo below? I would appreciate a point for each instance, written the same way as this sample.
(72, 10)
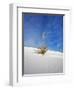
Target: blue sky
(44, 30)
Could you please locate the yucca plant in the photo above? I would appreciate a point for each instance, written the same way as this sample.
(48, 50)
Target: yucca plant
(42, 50)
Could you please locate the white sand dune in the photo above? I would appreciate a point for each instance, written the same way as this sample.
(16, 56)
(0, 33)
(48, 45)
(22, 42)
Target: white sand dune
(50, 62)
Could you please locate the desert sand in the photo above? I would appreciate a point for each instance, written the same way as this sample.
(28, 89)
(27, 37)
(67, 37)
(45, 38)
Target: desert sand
(50, 62)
